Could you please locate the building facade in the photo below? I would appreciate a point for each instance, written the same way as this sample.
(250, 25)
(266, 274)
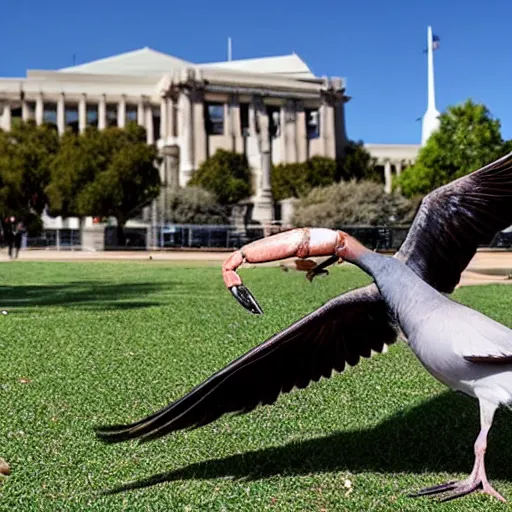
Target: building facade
(271, 109)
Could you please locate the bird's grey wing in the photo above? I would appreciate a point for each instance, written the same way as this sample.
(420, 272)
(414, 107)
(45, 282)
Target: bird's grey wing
(453, 220)
(338, 333)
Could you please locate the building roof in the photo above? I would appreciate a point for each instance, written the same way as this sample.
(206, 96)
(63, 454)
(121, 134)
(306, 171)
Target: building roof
(147, 61)
(291, 65)
(144, 61)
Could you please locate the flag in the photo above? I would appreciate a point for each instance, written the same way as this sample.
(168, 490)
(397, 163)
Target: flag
(435, 43)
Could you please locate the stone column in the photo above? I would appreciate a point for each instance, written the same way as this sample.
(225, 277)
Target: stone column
(300, 126)
(170, 118)
(26, 113)
(141, 116)
(6, 117)
(173, 178)
(150, 136)
(39, 109)
(398, 168)
(61, 114)
(290, 131)
(327, 129)
(238, 143)
(121, 112)
(102, 113)
(263, 208)
(199, 141)
(82, 113)
(186, 135)
(164, 118)
(387, 177)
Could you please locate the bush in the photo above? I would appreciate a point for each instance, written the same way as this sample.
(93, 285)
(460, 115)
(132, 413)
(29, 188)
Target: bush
(296, 180)
(227, 175)
(353, 203)
(194, 205)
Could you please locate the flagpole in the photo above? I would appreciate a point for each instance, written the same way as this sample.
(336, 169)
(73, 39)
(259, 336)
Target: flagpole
(431, 118)
(229, 49)
(431, 104)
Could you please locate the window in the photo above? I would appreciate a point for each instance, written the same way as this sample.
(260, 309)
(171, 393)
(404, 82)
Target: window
(111, 114)
(92, 115)
(214, 118)
(131, 113)
(50, 113)
(71, 117)
(244, 119)
(312, 123)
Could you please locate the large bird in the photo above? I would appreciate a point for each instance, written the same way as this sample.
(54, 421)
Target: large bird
(449, 225)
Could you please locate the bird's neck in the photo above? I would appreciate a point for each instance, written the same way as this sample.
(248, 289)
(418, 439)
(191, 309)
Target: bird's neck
(369, 261)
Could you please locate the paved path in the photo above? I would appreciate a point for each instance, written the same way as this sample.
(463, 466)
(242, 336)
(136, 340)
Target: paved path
(486, 267)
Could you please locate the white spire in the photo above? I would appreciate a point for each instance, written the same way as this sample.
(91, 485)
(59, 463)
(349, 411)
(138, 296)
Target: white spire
(230, 50)
(431, 117)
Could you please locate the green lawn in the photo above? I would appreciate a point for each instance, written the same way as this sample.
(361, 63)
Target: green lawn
(95, 343)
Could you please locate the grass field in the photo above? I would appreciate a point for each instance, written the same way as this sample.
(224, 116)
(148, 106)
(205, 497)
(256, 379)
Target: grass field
(95, 343)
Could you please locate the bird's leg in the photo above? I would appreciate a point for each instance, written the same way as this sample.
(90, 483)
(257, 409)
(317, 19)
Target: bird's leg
(314, 270)
(301, 243)
(477, 480)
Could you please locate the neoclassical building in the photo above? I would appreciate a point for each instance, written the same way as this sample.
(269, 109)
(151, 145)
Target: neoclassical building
(272, 109)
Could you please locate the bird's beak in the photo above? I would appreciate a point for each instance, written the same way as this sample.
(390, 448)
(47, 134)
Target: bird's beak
(246, 299)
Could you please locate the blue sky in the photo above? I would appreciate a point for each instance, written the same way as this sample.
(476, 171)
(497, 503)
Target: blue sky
(376, 46)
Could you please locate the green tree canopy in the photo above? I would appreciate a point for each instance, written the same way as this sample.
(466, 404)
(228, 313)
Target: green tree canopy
(126, 180)
(357, 164)
(351, 203)
(297, 179)
(26, 153)
(467, 139)
(227, 175)
(79, 160)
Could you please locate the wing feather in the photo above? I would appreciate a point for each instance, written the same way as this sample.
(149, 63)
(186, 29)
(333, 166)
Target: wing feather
(338, 333)
(453, 220)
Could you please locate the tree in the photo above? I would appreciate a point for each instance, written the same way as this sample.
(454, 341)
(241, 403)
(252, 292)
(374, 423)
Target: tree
(77, 163)
(353, 203)
(297, 179)
(26, 153)
(194, 205)
(104, 173)
(468, 138)
(357, 164)
(126, 181)
(227, 175)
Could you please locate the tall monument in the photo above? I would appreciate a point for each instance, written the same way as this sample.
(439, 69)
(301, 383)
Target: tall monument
(431, 117)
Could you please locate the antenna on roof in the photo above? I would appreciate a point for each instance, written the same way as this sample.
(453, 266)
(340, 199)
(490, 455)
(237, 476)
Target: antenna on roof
(74, 59)
(229, 49)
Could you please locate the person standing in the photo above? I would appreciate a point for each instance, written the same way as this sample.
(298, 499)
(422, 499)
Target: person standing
(18, 235)
(9, 228)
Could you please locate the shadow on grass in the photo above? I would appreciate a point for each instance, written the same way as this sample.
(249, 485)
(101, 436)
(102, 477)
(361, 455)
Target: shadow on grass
(85, 294)
(436, 436)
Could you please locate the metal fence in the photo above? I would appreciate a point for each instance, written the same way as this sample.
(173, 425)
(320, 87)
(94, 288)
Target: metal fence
(193, 236)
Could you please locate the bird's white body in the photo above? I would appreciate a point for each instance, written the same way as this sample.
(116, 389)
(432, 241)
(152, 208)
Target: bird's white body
(441, 332)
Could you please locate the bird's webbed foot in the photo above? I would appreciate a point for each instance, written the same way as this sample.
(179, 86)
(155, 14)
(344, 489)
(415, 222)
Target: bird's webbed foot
(458, 488)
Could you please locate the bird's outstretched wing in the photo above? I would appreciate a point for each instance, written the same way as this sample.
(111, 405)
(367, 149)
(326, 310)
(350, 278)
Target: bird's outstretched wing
(453, 220)
(338, 333)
